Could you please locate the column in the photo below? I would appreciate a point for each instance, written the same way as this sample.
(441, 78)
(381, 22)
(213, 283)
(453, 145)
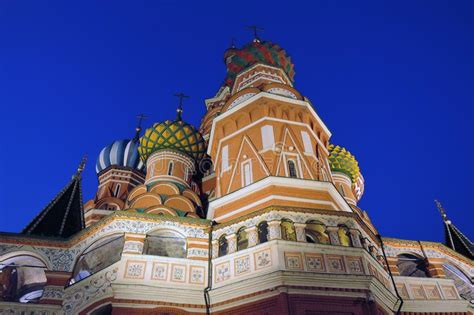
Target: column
(252, 235)
(355, 238)
(274, 230)
(333, 235)
(232, 243)
(300, 232)
(134, 243)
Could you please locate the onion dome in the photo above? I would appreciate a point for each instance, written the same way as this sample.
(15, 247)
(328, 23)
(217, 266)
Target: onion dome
(257, 52)
(343, 161)
(120, 153)
(172, 135)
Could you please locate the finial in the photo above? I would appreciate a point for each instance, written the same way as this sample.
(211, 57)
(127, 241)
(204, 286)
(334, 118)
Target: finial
(255, 29)
(179, 110)
(81, 166)
(442, 211)
(140, 118)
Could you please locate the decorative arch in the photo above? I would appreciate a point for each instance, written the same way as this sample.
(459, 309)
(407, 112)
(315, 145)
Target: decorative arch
(180, 203)
(242, 239)
(288, 231)
(166, 243)
(146, 200)
(316, 232)
(412, 265)
(164, 188)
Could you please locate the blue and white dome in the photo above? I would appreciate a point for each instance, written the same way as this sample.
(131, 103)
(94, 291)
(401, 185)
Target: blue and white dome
(121, 153)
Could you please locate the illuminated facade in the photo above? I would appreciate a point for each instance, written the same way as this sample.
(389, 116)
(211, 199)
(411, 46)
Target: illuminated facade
(253, 212)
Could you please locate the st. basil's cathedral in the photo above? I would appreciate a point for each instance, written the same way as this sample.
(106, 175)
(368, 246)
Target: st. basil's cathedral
(254, 212)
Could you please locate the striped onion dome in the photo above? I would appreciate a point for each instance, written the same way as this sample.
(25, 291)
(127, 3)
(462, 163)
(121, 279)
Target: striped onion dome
(120, 153)
(343, 161)
(172, 135)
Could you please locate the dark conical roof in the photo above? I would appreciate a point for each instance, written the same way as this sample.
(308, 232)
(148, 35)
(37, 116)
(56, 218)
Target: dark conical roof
(64, 215)
(454, 238)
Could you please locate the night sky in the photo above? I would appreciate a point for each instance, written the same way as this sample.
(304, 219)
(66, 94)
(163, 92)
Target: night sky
(392, 80)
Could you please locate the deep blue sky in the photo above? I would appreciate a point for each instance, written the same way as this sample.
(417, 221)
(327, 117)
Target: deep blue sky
(393, 81)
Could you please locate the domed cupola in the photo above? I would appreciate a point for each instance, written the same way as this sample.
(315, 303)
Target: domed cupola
(175, 135)
(121, 153)
(346, 173)
(257, 52)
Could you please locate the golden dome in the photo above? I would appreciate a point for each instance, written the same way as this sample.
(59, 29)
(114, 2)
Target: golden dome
(173, 135)
(343, 161)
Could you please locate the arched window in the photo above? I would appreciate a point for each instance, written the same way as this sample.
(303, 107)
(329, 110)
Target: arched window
(462, 282)
(288, 231)
(98, 256)
(117, 190)
(262, 230)
(292, 169)
(223, 246)
(410, 265)
(344, 238)
(22, 279)
(242, 239)
(316, 233)
(170, 168)
(165, 243)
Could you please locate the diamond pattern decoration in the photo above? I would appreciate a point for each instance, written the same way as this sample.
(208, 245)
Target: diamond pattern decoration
(174, 135)
(343, 161)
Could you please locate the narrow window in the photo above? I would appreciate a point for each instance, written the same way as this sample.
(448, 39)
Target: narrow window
(308, 148)
(225, 157)
(242, 239)
(117, 190)
(292, 169)
(288, 231)
(262, 232)
(223, 246)
(247, 173)
(170, 168)
(268, 138)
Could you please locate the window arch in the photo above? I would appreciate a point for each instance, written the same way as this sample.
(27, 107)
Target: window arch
(223, 246)
(316, 232)
(165, 243)
(170, 168)
(288, 231)
(410, 265)
(242, 239)
(462, 282)
(262, 230)
(22, 279)
(292, 169)
(344, 238)
(101, 254)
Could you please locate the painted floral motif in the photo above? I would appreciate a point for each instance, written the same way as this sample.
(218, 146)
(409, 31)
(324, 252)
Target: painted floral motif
(242, 265)
(178, 273)
(263, 259)
(222, 272)
(135, 269)
(197, 275)
(160, 271)
(335, 264)
(293, 261)
(315, 263)
(355, 265)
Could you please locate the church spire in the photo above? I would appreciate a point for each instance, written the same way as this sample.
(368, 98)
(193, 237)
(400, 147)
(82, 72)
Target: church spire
(454, 238)
(64, 215)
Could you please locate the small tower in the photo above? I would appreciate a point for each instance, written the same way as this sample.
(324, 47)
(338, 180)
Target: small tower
(119, 170)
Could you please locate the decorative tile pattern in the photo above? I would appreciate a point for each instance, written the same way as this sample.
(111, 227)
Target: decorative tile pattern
(135, 269)
(450, 293)
(315, 262)
(418, 292)
(241, 265)
(178, 273)
(263, 259)
(354, 264)
(335, 264)
(197, 274)
(222, 271)
(293, 261)
(432, 292)
(160, 271)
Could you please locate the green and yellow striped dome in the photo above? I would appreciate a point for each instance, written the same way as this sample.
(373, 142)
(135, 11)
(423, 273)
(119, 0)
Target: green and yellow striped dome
(343, 161)
(173, 135)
